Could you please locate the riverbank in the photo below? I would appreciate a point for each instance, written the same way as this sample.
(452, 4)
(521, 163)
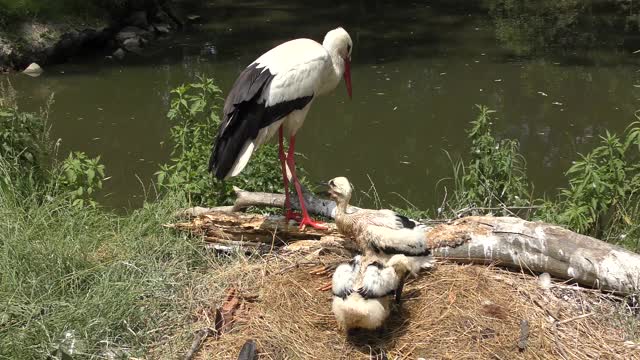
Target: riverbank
(57, 39)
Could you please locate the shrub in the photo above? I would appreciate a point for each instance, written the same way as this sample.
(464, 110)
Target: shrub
(79, 177)
(27, 158)
(193, 112)
(603, 185)
(601, 199)
(495, 175)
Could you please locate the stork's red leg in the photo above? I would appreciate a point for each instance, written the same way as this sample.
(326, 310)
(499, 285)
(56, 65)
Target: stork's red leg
(288, 213)
(306, 220)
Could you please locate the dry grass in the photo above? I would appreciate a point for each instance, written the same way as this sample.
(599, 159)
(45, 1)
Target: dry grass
(453, 312)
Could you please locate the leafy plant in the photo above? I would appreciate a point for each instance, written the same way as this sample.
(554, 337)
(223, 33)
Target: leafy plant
(193, 113)
(602, 198)
(27, 157)
(495, 174)
(79, 177)
(194, 109)
(601, 183)
(23, 136)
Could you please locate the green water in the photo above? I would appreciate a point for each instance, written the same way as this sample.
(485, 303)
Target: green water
(558, 73)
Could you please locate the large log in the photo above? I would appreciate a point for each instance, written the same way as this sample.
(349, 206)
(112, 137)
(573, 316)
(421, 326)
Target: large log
(506, 241)
(540, 247)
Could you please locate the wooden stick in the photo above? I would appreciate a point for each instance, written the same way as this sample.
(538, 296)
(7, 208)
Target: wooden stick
(574, 318)
(200, 337)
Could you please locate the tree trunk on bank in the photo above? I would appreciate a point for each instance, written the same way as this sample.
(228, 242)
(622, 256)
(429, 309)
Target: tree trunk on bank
(504, 241)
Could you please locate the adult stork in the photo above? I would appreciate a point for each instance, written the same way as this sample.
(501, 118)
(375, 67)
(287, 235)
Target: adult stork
(273, 94)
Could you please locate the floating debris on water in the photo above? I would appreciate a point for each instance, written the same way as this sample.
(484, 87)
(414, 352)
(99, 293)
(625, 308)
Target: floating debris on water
(395, 108)
(542, 93)
(556, 103)
(497, 80)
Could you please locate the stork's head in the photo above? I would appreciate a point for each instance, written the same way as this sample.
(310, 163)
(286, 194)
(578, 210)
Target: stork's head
(339, 42)
(340, 189)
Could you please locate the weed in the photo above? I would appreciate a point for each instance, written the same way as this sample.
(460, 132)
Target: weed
(601, 198)
(193, 112)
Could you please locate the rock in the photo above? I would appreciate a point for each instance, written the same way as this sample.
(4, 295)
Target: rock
(138, 19)
(119, 54)
(162, 28)
(132, 45)
(124, 35)
(193, 18)
(161, 17)
(33, 70)
(131, 32)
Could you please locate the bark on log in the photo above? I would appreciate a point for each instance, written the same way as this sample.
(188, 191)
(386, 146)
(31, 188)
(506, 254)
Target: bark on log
(505, 241)
(540, 247)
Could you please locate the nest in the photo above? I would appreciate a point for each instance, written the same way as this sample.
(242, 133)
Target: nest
(451, 312)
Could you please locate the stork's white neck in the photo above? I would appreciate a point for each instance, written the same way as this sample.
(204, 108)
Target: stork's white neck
(334, 72)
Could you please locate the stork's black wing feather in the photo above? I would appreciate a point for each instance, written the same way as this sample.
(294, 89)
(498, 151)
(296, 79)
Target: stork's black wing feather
(405, 221)
(244, 115)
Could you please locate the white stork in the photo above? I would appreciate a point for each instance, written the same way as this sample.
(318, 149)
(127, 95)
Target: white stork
(274, 93)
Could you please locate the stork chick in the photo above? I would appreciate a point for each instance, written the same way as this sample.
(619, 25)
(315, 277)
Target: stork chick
(363, 289)
(377, 232)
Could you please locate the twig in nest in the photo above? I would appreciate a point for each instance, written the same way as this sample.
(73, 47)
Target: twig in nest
(574, 318)
(555, 318)
(201, 336)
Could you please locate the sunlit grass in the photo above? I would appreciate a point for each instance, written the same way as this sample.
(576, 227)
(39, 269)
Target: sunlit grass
(106, 283)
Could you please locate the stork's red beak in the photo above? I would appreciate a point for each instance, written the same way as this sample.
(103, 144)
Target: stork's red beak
(347, 75)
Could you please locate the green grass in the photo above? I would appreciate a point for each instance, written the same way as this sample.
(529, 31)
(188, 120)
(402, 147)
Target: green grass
(109, 282)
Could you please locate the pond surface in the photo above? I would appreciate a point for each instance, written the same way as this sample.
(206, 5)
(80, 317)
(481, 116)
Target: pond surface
(558, 73)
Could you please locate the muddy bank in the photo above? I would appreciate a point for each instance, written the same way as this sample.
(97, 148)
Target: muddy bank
(51, 42)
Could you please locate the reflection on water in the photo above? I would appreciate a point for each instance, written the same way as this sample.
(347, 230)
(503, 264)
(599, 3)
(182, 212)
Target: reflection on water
(558, 73)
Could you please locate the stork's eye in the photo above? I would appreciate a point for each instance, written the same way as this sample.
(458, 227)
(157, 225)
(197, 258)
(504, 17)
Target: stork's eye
(331, 183)
(349, 48)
